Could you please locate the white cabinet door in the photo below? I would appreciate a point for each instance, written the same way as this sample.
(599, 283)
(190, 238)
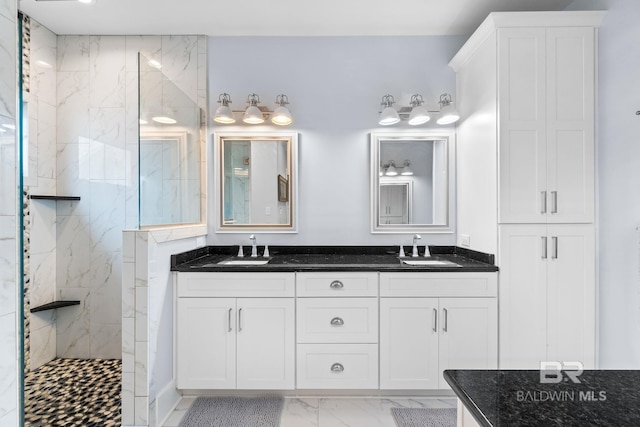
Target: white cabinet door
(546, 93)
(468, 334)
(206, 343)
(523, 295)
(570, 124)
(265, 343)
(547, 295)
(409, 343)
(571, 294)
(522, 139)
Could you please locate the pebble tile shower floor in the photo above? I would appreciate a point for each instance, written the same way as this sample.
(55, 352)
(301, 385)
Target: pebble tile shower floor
(74, 392)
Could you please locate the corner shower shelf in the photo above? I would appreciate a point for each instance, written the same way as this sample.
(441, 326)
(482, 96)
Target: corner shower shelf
(38, 197)
(54, 305)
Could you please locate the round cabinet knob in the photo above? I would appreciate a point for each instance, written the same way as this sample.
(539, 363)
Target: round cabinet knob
(337, 321)
(337, 367)
(336, 284)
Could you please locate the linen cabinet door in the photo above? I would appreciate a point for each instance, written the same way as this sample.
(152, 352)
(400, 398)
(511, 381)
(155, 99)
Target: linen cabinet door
(265, 343)
(206, 343)
(409, 343)
(570, 124)
(523, 255)
(571, 294)
(523, 195)
(468, 334)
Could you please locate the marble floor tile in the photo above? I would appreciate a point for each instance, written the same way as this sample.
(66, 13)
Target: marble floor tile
(300, 412)
(335, 411)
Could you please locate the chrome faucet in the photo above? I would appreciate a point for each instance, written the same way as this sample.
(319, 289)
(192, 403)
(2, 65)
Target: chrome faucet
(254, 245)
(417, 237)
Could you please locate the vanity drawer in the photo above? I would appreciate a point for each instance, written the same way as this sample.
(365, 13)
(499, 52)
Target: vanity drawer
(346, 366)
(236, 285)
(339, 284)
(337, 320)
(471, 284)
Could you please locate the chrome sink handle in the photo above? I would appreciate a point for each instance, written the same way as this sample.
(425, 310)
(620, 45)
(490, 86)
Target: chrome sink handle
(254, 246)
(416, 237)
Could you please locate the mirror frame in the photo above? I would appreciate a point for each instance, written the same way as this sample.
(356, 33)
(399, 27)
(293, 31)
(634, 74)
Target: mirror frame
(292, 166)
(376, 138)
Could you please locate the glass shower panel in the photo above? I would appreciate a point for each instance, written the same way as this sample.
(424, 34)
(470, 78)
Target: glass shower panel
(172, 132)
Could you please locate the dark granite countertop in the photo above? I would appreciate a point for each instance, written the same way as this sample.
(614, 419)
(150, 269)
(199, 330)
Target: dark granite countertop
(519, 398)
(331, 258)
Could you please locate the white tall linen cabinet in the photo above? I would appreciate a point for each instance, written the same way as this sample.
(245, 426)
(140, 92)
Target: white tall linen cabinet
(526, 89)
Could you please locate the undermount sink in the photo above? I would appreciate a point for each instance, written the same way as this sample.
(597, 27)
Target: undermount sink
(433, 262)
(244, 262)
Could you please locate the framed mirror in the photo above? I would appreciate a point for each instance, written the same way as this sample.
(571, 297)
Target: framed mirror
(256, 181)
(412, 182)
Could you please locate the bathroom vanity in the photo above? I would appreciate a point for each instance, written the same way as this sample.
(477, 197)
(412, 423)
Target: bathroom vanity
(345, 318)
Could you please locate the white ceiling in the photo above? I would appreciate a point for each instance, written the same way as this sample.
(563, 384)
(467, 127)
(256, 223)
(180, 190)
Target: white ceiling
(273, 17)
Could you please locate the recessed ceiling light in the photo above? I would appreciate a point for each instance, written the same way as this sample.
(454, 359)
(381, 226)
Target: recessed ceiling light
(85, 1)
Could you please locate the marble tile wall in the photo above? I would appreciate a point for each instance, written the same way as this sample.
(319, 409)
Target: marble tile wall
(148, 393)
(97, 148)
(40, 178)
(9, 369)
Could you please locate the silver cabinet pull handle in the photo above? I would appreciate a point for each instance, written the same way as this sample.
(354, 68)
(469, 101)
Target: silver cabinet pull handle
(337, 321)
(554, 254)
(554, 202)
(543, 204)
(336, 284)
(544, 247)
(337, 367)
(435, 320)
(446, 320)
(239, 320)
(229, 319)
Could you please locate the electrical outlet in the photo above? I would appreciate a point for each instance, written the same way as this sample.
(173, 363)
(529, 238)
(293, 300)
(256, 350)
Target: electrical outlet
(200, 241)
(465, 240)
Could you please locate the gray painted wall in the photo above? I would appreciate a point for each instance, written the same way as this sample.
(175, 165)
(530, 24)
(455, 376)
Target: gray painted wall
(335, 85)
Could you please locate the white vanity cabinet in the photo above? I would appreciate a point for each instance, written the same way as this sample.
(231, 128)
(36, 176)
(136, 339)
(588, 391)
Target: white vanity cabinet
(430, 322)
(235, 330)
(337, 330)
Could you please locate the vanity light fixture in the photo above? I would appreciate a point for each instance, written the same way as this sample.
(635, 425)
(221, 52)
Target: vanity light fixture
(389, 115)
(448, 113)
(224, 114)
(406, 170)
(281, 115)
(416, 113)
(391, 169)
(419, 114)
(253, 115)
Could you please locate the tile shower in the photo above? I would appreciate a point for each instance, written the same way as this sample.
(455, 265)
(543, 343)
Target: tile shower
(82, 106)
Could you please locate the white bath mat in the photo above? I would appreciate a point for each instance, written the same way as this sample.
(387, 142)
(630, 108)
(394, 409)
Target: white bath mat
(424, 417)
(234, 412)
